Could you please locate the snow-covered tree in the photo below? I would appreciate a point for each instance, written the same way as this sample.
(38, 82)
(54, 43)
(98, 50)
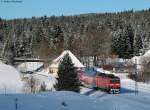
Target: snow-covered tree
(67, 76)
(123, 40)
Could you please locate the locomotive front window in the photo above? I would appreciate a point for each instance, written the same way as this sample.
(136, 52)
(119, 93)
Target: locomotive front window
(115, 81)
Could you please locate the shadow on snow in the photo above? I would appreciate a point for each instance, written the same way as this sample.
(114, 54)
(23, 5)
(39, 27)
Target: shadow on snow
(89, 92)
(125, 91)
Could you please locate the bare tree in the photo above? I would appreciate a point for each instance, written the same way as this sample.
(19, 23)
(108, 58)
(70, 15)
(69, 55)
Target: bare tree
(145, 74)
(31, 84)
(98, 45)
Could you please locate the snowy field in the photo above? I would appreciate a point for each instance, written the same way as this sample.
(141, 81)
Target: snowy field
(88, 99)
(51, 101)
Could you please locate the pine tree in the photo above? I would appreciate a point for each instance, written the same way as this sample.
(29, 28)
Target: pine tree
(67, 76)
(123, 42)
(138, 44)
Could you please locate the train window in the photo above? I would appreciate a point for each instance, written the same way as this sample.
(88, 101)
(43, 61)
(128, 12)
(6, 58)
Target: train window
(110, 75)
(102, 74)
(115, 81)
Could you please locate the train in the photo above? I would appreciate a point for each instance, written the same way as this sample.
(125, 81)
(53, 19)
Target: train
(107, 82)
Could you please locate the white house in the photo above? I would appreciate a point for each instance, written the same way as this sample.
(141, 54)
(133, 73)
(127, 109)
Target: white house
(140, 59)
(28, 67)
(53, 68)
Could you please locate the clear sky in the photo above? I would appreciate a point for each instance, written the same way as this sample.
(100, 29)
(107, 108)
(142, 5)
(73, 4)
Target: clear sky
(29, 8)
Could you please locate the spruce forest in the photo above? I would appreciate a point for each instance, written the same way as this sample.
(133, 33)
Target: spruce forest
(125, 34)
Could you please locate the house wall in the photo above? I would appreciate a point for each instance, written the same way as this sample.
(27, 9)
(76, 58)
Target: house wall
(53, 71)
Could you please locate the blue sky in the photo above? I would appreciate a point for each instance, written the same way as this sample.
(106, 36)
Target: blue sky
(29, 8)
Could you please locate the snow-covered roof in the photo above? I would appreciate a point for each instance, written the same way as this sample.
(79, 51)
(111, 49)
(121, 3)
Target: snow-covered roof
(137, 59)
(101, 70)
(75, 61)
(29, 66)
(10, 79)
(147, 54)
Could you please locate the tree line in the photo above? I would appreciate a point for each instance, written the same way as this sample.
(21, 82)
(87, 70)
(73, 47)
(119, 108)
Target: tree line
(124, 34)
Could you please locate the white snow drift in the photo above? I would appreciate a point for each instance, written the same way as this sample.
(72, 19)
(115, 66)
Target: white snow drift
(10, 81)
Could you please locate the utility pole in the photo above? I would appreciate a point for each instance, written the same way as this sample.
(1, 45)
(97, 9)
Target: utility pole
(136, 76)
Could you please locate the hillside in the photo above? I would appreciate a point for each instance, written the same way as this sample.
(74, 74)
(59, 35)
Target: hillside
(124, 34)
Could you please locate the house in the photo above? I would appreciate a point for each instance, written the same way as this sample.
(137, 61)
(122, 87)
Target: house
(139, 61)
(53, 68)
(30, 67)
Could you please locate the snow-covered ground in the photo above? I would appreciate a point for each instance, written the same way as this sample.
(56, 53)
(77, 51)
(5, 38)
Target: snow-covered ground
(65, 100)
(130, 84)
(87, 99)
(126, 100)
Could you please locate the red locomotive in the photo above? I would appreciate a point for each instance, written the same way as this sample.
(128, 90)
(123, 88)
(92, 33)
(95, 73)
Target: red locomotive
(107, 82)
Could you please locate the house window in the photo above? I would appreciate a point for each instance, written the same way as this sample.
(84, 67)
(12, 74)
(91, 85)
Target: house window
(51, 71)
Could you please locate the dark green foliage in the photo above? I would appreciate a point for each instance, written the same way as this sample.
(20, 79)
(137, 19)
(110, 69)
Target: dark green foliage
(123, 42)
(67, 76)
(138, 44)
(39, 35)
(58, 37)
